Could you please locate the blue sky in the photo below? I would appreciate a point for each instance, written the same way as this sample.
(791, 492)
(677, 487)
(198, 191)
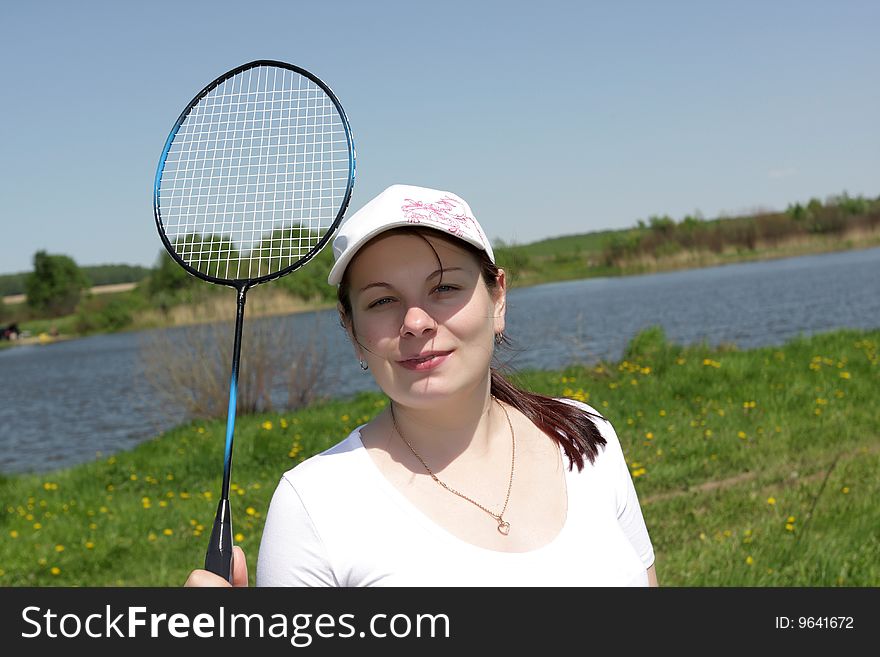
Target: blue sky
(550, 118)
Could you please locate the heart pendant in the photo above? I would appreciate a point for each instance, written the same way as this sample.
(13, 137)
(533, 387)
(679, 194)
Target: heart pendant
(504, 527)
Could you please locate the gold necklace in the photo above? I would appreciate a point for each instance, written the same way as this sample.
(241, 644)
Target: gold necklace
(503, 525)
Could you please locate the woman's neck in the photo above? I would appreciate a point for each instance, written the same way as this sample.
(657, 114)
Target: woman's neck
(440, 434)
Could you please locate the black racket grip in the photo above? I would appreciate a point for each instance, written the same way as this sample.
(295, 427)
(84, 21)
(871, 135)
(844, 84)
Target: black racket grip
(219, 556)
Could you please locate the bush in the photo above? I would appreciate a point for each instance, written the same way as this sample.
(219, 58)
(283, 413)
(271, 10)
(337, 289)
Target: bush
(189, 368)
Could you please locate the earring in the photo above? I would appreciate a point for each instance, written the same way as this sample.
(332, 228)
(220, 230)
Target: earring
(364, 365)
(499, 338)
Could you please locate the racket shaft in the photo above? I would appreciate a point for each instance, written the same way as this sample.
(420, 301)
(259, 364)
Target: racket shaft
(219, 556)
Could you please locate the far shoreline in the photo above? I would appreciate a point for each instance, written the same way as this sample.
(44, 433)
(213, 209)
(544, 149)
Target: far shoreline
(277, 303)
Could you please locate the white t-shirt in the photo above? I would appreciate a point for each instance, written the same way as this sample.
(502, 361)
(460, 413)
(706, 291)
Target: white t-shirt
(335, 520)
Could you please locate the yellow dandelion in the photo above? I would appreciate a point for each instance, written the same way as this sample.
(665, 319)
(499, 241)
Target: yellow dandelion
(169, 477)
(92, 525)
(59, 548)
(151, 536)
(845, 375)
(283, 423)
(13, 533)
(749, 560)
(37, 525)
(789, 526)
(721, 412)
(267, 425)
(239, 537)
(707, 433)
(184, 495)
(250, 510)
(55, 570)
(89, 545)
(163, 503)
(680, 361)
(741, 434)
(646, 370)
(845, 490)
(790, 519)
(344, 418)
(662, 413)
(639, 472)
(201, 429)
(728, 533)
(649, 436)
(771, 500)
(168, 532)
(702, 536)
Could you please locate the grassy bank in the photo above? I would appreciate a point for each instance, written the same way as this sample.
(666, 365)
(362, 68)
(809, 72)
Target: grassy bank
(754, 468)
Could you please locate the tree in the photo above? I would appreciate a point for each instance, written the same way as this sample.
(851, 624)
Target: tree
(55, 285)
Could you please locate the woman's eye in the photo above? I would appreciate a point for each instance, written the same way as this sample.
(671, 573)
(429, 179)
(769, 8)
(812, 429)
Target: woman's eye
(445, 288)
(379, 302)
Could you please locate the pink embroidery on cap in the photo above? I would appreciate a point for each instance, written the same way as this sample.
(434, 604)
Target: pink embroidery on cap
(447, 211)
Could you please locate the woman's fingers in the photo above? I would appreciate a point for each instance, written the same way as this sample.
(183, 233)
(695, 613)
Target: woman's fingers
(239, 567)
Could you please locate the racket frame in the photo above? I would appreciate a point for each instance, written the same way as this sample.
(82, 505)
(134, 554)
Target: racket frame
(242, 283)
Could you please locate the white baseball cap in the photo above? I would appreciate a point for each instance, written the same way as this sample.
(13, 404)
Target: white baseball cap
(406, 205)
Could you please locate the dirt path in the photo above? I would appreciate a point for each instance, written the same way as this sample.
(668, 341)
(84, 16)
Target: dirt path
(743, 477)
(98, 289)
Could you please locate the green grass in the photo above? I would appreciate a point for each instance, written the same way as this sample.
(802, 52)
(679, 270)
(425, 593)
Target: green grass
(724, 447)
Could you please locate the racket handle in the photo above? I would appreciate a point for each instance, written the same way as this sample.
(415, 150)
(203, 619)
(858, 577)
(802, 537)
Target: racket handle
(219, 556)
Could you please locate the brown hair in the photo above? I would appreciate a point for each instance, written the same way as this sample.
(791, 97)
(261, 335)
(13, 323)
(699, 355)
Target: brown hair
(571, 427)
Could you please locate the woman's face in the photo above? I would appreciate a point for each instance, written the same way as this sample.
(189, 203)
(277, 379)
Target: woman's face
(426, 339)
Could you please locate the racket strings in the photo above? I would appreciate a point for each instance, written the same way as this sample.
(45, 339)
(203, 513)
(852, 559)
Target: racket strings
(256, 175)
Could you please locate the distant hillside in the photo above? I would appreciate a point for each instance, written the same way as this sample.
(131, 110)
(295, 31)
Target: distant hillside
(97, 274)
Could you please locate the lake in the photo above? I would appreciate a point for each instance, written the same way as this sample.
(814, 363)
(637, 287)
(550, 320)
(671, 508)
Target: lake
(65, 402)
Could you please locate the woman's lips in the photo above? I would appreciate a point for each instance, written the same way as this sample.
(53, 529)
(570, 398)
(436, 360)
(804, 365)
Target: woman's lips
(426, 362)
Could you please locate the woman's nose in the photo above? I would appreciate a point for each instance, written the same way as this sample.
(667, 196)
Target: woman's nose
(417, 322)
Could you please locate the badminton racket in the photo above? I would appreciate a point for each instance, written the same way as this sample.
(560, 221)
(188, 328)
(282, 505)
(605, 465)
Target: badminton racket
(253, 180)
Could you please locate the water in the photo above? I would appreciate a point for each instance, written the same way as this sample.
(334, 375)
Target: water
(64, 402)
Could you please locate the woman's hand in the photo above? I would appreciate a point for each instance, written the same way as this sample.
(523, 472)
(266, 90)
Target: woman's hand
(200, 578)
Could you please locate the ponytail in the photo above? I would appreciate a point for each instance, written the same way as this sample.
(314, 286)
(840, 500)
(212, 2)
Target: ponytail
(572, 428)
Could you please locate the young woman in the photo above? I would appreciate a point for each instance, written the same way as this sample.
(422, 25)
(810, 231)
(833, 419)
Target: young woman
(462, 479)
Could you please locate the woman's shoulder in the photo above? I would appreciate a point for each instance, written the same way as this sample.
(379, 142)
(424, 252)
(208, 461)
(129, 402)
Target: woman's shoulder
(602, 423)
(343, 458)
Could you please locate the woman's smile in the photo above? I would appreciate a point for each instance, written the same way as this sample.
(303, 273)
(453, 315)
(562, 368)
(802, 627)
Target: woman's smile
(425, 362)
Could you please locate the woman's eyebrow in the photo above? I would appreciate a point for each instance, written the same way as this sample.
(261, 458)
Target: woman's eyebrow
(376, 284)
(437, 272)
